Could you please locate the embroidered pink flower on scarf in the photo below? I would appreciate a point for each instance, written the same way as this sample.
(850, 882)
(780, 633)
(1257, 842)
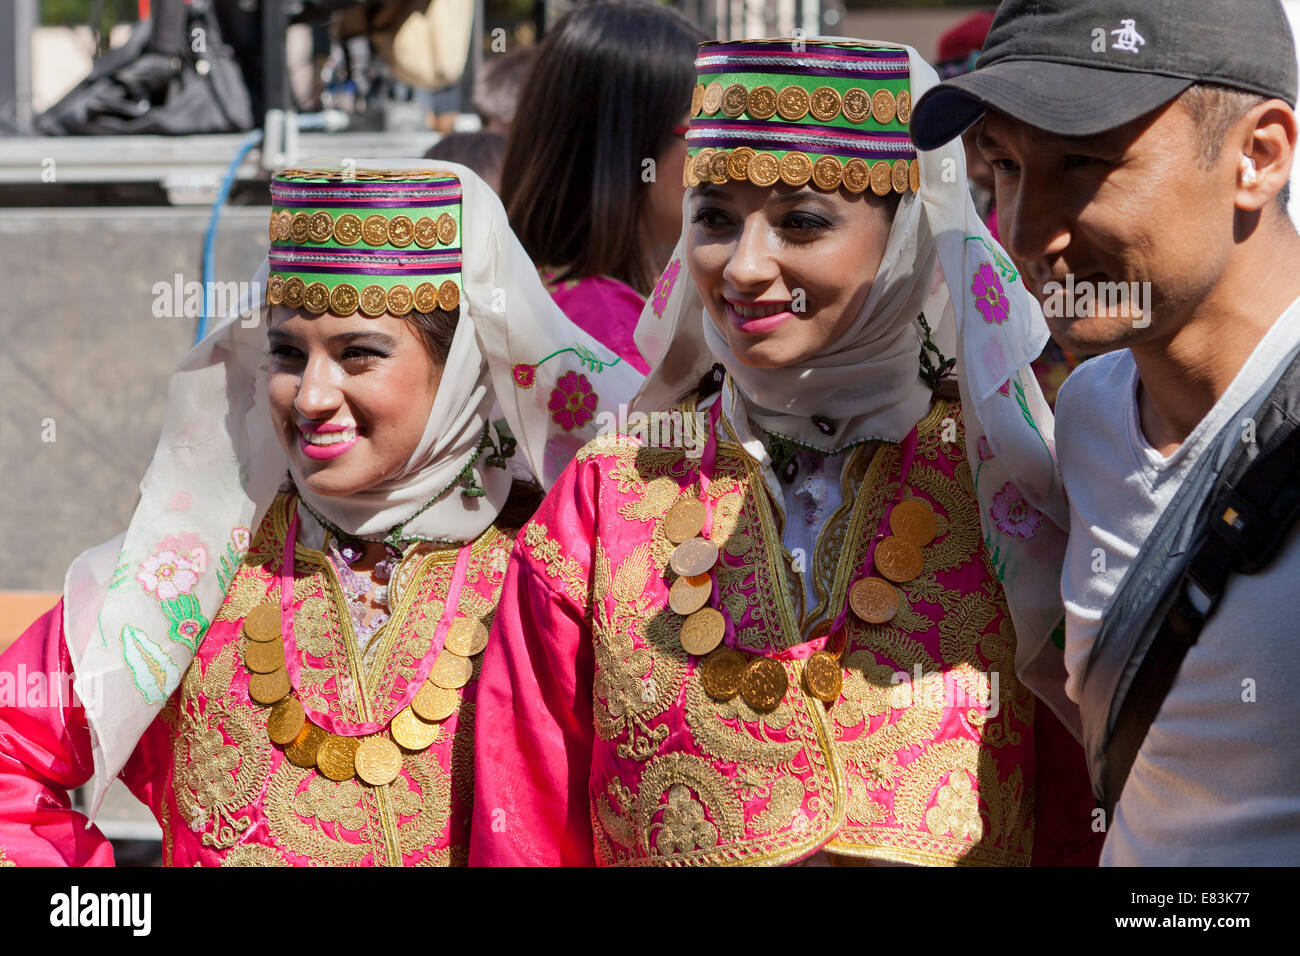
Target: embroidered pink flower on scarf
(189, 630)
(572, 402)
(1014, 515)
(240, 538)
(167, 575)
(664, 289)
(524, 374)
(989, 297)
(1005, 388)
(983, 448)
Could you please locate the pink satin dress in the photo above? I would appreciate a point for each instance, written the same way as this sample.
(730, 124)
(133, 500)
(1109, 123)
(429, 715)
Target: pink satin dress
(224, 794)
(597, 743)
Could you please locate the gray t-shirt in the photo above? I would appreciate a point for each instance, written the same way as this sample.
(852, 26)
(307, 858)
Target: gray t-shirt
(1217, 780)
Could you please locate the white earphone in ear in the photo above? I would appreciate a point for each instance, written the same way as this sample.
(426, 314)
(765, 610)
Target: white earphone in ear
(1248, 175)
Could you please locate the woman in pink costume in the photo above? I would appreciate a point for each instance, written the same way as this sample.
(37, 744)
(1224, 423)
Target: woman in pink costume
(280, 656)
(768, 625)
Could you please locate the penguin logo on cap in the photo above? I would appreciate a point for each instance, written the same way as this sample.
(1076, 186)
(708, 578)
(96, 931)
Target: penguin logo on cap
(1127, 37)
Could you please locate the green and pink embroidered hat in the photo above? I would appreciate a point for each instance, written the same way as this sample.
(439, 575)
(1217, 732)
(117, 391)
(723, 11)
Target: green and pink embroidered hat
(798, 111)
(347, 240)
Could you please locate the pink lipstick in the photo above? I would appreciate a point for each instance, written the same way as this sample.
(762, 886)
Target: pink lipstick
(758, 318)
(326, 440)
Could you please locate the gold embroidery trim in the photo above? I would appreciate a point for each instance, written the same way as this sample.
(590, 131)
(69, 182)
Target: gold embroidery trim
(559, 566)
(389, 831)
(653, 478)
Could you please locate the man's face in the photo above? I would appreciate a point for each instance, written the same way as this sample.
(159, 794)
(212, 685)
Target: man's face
(1131, 205)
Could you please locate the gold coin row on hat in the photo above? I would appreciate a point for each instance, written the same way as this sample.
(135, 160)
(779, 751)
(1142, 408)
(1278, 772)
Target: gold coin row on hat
(371, 300)
(374, 759)
(793, 103)
(761, 681)
(795, 168)
(375, 230)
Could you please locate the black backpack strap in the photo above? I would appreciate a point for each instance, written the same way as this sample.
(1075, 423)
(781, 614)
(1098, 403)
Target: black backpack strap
(1242, 530)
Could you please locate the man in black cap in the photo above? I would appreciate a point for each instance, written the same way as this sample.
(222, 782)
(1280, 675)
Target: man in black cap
(1141, 150)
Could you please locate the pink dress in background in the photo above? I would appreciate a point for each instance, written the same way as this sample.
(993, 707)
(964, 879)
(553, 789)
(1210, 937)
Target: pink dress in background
(604, 308)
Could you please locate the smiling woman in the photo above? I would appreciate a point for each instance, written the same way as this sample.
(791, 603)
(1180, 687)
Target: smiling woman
(795, 646)
(286, 642)
(784, 271)
(350, 396)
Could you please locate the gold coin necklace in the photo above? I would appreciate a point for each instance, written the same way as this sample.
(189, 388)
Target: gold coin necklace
(338, 749)
(899, 558)
(708, 632)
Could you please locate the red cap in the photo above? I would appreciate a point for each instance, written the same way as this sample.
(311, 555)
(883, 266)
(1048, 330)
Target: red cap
(966, 37)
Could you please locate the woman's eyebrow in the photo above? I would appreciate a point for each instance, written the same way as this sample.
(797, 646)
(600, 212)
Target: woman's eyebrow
(368, 337)
(803, 195)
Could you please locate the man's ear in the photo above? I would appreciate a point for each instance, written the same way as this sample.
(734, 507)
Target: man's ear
(1267, 143)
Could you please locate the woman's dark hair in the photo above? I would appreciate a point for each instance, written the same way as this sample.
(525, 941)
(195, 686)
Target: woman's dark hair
(610, 83)
(436, 330)
(524, 500)
(482, 152)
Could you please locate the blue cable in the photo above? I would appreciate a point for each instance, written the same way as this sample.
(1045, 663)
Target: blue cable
(210, 240)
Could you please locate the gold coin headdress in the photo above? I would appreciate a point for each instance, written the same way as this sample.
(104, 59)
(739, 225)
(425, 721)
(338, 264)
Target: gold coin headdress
(347, 241)
(797, 111)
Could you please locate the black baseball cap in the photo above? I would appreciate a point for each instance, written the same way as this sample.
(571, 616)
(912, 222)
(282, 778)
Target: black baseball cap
(1081, 67)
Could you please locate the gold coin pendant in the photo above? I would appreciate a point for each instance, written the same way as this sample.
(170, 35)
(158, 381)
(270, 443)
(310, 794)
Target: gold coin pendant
(693, 557)
(302, 752)
(703, 631)
(286, 721)
(378, 761)
(823, 677)
(451, 670)
(763, 685)
(874, 600)
(914, 519)
(263, 658)
(721, 672)
(263, 622)
(336, 757)
(269, 688)
(685, 520)
(688, 595)
(466, 637)
(899, 559)
(413, 732)
(434, 703)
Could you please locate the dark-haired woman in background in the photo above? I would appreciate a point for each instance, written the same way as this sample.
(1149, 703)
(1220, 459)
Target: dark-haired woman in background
(592, 180)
